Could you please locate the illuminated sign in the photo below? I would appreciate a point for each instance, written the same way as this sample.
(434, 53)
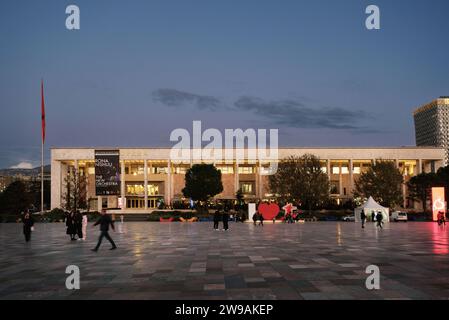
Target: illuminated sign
(438, 202)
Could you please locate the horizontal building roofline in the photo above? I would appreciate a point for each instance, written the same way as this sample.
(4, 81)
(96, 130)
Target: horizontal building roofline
(281, 148)
(443, 100)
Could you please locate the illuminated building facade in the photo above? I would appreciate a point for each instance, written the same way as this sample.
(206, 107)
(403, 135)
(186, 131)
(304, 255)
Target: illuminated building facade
(147, 176)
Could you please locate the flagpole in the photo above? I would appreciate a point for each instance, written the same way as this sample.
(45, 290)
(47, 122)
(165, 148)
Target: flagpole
(42, 144)
(42, 176)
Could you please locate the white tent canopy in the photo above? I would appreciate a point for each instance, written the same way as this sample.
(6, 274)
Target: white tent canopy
(369, 206)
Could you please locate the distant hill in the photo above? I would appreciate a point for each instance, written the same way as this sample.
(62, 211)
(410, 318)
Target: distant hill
(24, 172)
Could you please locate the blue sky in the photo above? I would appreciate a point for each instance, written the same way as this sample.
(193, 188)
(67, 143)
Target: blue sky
(136, 70)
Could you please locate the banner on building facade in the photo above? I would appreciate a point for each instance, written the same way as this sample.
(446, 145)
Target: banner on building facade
(107, 172)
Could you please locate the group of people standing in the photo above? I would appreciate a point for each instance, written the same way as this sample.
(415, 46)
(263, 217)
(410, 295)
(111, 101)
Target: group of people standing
(76, 224)
(375, 217)
(221, 216)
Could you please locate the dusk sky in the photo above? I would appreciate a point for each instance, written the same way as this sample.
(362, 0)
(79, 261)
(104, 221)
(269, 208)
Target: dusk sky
(136, 70)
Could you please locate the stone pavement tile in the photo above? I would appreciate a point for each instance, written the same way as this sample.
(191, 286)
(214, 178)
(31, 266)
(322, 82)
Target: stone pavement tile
(178, 261)
(214, 286)
(314, 296)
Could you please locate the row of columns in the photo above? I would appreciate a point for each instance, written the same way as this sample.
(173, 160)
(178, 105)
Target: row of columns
(259, 183)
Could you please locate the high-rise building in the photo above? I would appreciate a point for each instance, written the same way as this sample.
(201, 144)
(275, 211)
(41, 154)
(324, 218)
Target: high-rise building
(432, 125)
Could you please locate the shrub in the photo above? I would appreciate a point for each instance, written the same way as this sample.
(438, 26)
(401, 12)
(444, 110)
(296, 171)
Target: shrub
(54, 215)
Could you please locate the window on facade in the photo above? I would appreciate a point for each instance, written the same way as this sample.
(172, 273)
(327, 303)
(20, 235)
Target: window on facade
(356, 170)
(136, 169)
(180, 170)
(137, 189)
(344, 170)
(91, 170)
(246, 170)
(246, 187)
(265, 170)
(324, 169)
(134, 189)
(153, 190)
(159, 170)
(226, 169)
(335, 170)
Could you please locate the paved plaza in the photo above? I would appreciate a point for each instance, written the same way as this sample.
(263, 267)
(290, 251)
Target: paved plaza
(321, 260)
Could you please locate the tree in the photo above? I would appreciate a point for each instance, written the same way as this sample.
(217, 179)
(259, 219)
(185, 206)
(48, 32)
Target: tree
(301, 180)
(15, 198)
(239, 196)
(419, 187)
(202, 182)
(383, 182)
(76, 191)
(35, 193)
(443, 180)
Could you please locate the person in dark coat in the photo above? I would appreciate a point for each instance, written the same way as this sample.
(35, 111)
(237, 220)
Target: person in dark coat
(104, 222)
(216, 219)
(226, 220)
(70, 224)
(379, 218)
(255, 217)
(373, 216)
(261, 219)
(363, 218)
(79, 225)
(28, 223)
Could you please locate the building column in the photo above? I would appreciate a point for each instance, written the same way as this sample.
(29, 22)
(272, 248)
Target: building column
(328, 162)
(100, 203)
(168, 188)
(351, 176)
(340, 181)
(236, 177)
(56, 184)
(145, 182)
(259, 182)
(123, 184)
(420, 170)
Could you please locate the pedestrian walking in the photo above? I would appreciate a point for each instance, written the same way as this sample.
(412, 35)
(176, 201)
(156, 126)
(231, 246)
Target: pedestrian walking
(28, 225)
(225, 220)
(216, 219)
(70, 224)
(84, 226)
(363, 218)
(79, 225)
(104, 222)
(379, 218)
(373, 216)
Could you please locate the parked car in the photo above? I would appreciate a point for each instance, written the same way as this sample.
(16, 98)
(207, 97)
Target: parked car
(350, 218)
(399, 216)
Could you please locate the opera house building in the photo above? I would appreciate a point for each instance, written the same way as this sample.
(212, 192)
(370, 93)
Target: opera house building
(137, 180)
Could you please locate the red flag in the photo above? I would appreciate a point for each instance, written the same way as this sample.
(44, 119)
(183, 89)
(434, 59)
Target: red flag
(43, 111)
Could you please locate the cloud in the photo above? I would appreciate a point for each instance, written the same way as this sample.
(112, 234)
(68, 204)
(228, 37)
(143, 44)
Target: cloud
(176, 98)
(295, 114)
(292, 113)
(23, 165)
